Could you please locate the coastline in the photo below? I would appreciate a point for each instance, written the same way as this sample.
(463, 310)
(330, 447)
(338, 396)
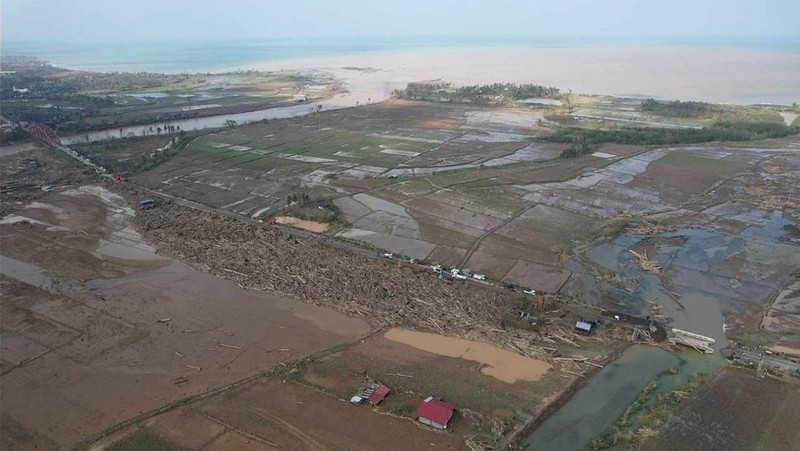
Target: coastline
(736, 76)
(691, 72)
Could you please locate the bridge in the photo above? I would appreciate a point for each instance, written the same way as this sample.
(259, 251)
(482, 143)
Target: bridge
(49, 137)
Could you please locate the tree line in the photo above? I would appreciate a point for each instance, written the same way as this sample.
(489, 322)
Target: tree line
(585, 141)
(496, 93)
(677, 108)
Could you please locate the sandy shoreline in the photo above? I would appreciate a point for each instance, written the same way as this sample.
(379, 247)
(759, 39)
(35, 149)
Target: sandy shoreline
(743, 76)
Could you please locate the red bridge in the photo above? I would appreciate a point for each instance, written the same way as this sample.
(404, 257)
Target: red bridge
(44, 134)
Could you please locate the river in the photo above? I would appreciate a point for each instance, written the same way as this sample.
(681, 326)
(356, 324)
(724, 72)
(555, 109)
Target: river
(599, 404)
(361, 87)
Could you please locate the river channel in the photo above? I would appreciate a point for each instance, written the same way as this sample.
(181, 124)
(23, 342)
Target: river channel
(361, 87)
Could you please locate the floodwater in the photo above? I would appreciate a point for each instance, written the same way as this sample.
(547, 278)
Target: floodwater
(707, 274)
(600, 403)
(304, 224)
(501, 364)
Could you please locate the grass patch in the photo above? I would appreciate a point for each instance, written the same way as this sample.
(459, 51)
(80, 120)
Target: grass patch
(643, 419)
(611, 230)
(134, 155)
(12, 434)
(756, 338)
(144, 440)
(721, 131)
(711, 112)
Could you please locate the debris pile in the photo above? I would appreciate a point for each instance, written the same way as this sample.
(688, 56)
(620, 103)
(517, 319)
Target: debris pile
(651, 228)
(386, 294)
(646, 264)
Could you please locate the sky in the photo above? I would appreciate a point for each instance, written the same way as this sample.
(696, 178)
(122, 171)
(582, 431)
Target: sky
(134, 20)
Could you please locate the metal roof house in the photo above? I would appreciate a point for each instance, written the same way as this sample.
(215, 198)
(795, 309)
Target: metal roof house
(374, 393)
(435, 412)
(377, 396)
(583, 327)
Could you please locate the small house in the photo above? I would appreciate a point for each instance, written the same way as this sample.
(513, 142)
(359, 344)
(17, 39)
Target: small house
(583, 327)
(378, 394)
(374, 393)
(435, 412)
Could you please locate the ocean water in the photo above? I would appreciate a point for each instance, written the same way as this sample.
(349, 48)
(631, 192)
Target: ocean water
(200, 56)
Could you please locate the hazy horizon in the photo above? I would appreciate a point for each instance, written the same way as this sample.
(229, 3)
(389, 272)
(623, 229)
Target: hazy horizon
(150, 20)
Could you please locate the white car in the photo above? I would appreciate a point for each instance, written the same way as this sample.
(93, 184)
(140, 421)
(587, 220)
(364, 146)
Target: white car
(531, 292)
(479, 276)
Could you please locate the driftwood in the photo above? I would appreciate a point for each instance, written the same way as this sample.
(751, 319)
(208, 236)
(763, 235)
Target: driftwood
(645, 263)
(649, 228)
(387, 294)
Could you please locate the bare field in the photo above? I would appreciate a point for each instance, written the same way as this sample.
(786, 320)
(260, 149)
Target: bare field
(274, 414)
(486, 405)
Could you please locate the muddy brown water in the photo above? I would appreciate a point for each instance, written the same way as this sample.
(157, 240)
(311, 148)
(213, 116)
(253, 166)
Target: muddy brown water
(500, 364)
(304, 224)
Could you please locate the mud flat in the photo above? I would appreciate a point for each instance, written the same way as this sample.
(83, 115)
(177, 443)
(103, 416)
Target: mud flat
(95, 333)
(501, 364)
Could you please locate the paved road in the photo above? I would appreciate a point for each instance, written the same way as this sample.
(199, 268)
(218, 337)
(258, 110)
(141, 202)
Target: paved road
(753, 358)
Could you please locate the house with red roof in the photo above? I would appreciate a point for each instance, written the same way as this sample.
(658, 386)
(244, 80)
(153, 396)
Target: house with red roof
(435, 412)
(374, 393)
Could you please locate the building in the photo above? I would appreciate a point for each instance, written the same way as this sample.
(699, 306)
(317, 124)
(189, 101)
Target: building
(374, 393)
(435, 412)
(583, 327)
(378, 394)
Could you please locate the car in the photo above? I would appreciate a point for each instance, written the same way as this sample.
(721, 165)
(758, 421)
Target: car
(479, 276)
(531, 292)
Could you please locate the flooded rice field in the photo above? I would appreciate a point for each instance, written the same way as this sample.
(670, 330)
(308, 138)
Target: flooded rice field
(504, 365)
(707, 274)
(710, 274)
